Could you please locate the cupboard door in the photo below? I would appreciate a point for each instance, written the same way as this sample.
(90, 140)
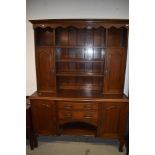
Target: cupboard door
(45, 69)
(43, 116)
(113, 119)
(110, 120)
(115, 71)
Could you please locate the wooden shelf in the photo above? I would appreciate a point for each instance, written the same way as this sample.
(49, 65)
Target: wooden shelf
(80, 74)
(78, 60)
(80, 93)
(87, 94)
(66, 46)
(76, 46)
(45, 46)
(54, 46)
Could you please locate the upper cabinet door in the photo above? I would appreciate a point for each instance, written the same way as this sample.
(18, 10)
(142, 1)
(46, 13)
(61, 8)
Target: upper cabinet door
(45, 69)
(115, 70)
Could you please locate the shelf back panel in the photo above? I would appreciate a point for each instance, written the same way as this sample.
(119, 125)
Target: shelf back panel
(80, 37)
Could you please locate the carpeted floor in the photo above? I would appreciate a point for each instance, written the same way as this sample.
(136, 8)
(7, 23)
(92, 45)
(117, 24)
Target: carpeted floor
(75, 145)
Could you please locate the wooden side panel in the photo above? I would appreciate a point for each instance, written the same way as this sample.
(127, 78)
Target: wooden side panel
(115, 71)
(124, 114)
(43, 116)
(45, 69)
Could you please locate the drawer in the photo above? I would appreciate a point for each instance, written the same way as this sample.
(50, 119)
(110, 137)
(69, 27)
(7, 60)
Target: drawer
(78, 115)
(78, 105)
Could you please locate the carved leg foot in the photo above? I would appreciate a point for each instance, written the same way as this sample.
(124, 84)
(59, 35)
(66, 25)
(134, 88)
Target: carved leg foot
(35, 140)
(31, 138)
(121, 143)
(31, 144)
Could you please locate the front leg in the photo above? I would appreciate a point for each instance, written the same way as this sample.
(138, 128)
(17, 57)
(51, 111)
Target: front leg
(35, 140)
(121, 144)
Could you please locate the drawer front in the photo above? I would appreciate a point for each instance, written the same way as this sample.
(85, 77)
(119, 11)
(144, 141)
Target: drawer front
(78, 115)
(77, 106)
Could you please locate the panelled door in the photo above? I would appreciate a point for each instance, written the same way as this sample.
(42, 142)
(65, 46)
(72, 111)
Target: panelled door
(45, 69)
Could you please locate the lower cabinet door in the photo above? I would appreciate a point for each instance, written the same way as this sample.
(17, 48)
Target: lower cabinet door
(43, 116)
(113, 119)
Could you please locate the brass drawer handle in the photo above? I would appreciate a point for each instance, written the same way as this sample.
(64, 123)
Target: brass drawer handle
(88, 106)
(67, 115)
(88, 116)
(66, 106)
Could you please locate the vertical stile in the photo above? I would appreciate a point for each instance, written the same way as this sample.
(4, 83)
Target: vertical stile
(54, 52)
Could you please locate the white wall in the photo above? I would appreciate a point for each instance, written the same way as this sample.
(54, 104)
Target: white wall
(58, 9)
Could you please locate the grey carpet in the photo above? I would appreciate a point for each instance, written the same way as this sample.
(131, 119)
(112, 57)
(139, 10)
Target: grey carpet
(74, 145)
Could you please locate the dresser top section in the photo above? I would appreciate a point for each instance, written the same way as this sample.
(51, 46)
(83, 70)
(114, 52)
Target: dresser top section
(80, 20)
(80, 23)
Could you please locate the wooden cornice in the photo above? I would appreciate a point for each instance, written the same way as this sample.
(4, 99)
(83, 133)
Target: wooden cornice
(80, 23)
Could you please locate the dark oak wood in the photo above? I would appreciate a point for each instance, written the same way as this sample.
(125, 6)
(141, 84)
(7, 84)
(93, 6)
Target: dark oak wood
(113, 119)
(78, 128)
(123, 123)
(44, 116)
(116, 37)
(45, 69)
(30, 134)
(78, 95)
(115, 70)
(78, 111)
(80, 67)
(110, 119)
(80, 23)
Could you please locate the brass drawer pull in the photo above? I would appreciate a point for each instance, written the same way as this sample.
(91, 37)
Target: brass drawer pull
(66, 106)
(88, 116)
(67, 115)
(88, 106)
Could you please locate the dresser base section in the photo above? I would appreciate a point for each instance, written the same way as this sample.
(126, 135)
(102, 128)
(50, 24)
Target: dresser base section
(104, 118)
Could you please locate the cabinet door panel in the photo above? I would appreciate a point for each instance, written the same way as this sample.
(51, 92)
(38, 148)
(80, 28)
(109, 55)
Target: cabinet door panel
(110, 120)
(115, 70)
(113, 119)
(45, 69)
(43, 115)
